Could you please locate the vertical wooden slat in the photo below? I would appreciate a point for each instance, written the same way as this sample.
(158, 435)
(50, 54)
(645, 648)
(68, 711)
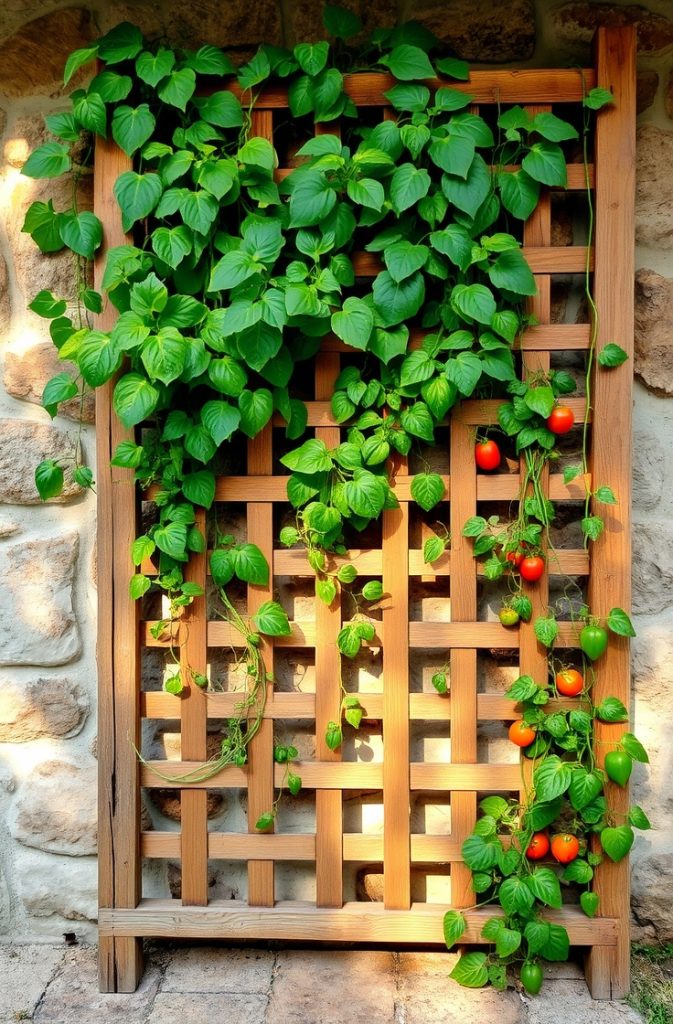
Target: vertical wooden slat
(610, 582)
(328, 803)
(532, 655)
(463, 663)
(119, 959)
(260, 532)
(194, 723)
(396, 824)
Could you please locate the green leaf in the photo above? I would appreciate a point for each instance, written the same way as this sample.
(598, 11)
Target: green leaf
(454, 242)
(333, 736)
(172, 244)
(48, 479)
(612, 355)
(474, 526)
(396, 301)
(326, 590)
(98, 358)
(373, 590)
(77, 60)
(143, 547)
(552, 128)
(222, 109)
(220, 420)
(199, 488)
(634, 748)
(265, 821)
(597, 98)
(540, 399)
(132, 127)
(172, 540)
(454, 68)
(557, 947)
(340, 22)
(138, 586)
(578, 871)
(312, 200)
(546, 630)
(474, 301)
(178, 88)
(48, 161)
(605, 495)
(584, 787)
(271, 619)
(611, 709)
(256, 410)
(408, 63)
(592, 527)
(46, 305)
(454, 926)
(433, 549)
(471, 970)
(453, 154)
(589, 902)
(544, 885)
(511, 272)
(152, 67)
(221, 567)
(412, 98)
(353, 323)
(407, 185)
(551, 778)
(416, 368)
(163, 355)
(570, 473)
(507, 942)
(250, 565)
(366, 494)
(128, 455)
(478, 854)
(311, 457)
(617, 841)
(620, 623)
(81, 232)
(198, 210)
(519, 193)
(137, 195)
(91, 113)
(515, 896)
(134, 399)
(111, 87)
(469, 194)
(536, 934)
(42, 223)
(439, 682)
(545, 162)
(427, 489)
(123, 42)
(59, 389)
(403, 259)
(311, 57)
(638, 818)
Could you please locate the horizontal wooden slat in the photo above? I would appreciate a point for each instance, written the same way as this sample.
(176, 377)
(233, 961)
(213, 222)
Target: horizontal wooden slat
(430, 707)
(368, 563)
(542, 260)
(421, 634)
(577, 178)
(341, 775)
(370, 922)
(425, 849)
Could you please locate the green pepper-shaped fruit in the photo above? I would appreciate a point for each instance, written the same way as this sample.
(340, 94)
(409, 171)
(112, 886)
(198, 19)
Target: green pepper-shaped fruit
(618, 766)
(593, 641)
(531, 978)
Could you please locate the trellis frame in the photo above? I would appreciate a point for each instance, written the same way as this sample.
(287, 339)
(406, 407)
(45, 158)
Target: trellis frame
(124, 917)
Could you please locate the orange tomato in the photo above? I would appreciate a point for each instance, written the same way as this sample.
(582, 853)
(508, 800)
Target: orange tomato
(538, 846)
(521, 733)
(569, 682)
(565, 848)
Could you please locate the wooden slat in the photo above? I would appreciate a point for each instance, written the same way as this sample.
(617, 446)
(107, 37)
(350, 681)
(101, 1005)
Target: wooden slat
(370, 922)
(538, 85)
(194, 722)
(422, 706)
(397, 853)
(610, 580)
(120, 960)
(542, 259)
(552, 336)
(329, 805)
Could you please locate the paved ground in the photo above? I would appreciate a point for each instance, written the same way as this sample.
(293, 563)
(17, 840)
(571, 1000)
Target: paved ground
(208, 985)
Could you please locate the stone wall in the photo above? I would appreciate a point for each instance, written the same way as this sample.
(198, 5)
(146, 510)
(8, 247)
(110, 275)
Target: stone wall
(47, 603)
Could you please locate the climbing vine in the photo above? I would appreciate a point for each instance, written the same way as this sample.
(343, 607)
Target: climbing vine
(225, 289)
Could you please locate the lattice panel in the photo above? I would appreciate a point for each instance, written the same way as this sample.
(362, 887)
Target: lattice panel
(402, 709)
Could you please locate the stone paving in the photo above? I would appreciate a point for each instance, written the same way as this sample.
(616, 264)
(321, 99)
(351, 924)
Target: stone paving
(220, 985)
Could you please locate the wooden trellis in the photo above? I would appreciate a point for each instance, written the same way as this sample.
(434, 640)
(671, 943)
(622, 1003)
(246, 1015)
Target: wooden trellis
(125, 916)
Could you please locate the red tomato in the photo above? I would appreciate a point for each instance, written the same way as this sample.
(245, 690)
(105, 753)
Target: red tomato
(487, 455)
(565, 848)
(569, 682)
(515, 557)
(521, 733)
(531, 568)
(538, 846)
(561, 420)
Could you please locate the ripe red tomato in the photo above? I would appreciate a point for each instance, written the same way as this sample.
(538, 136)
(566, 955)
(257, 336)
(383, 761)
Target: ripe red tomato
(521, 733)
(569, 682)
(487, 455)
(565, 848)
(561, 419)
(531, 568)
(515, 557)
(538, 846)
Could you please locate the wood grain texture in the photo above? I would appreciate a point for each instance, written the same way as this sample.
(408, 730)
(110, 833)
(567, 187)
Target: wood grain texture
(329, 805)
(194, 723)
(610, 580)
(120, 961)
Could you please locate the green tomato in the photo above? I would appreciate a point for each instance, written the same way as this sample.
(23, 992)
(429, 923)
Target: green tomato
(618, 766)
(531, 978)
(593, 641)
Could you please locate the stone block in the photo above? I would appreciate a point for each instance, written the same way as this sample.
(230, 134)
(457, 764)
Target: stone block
(206, 969)
(41, 708)
(314, 985)
(488, 32)
(653, 337)
(197, 1008)
(26, 373)
(654, 187)
(574, 24)
(50, 886)
(40, 627)
(55, 810)
(25, 972)
(32, 60)
(647, 84)
(23, 445)
(5, 306)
